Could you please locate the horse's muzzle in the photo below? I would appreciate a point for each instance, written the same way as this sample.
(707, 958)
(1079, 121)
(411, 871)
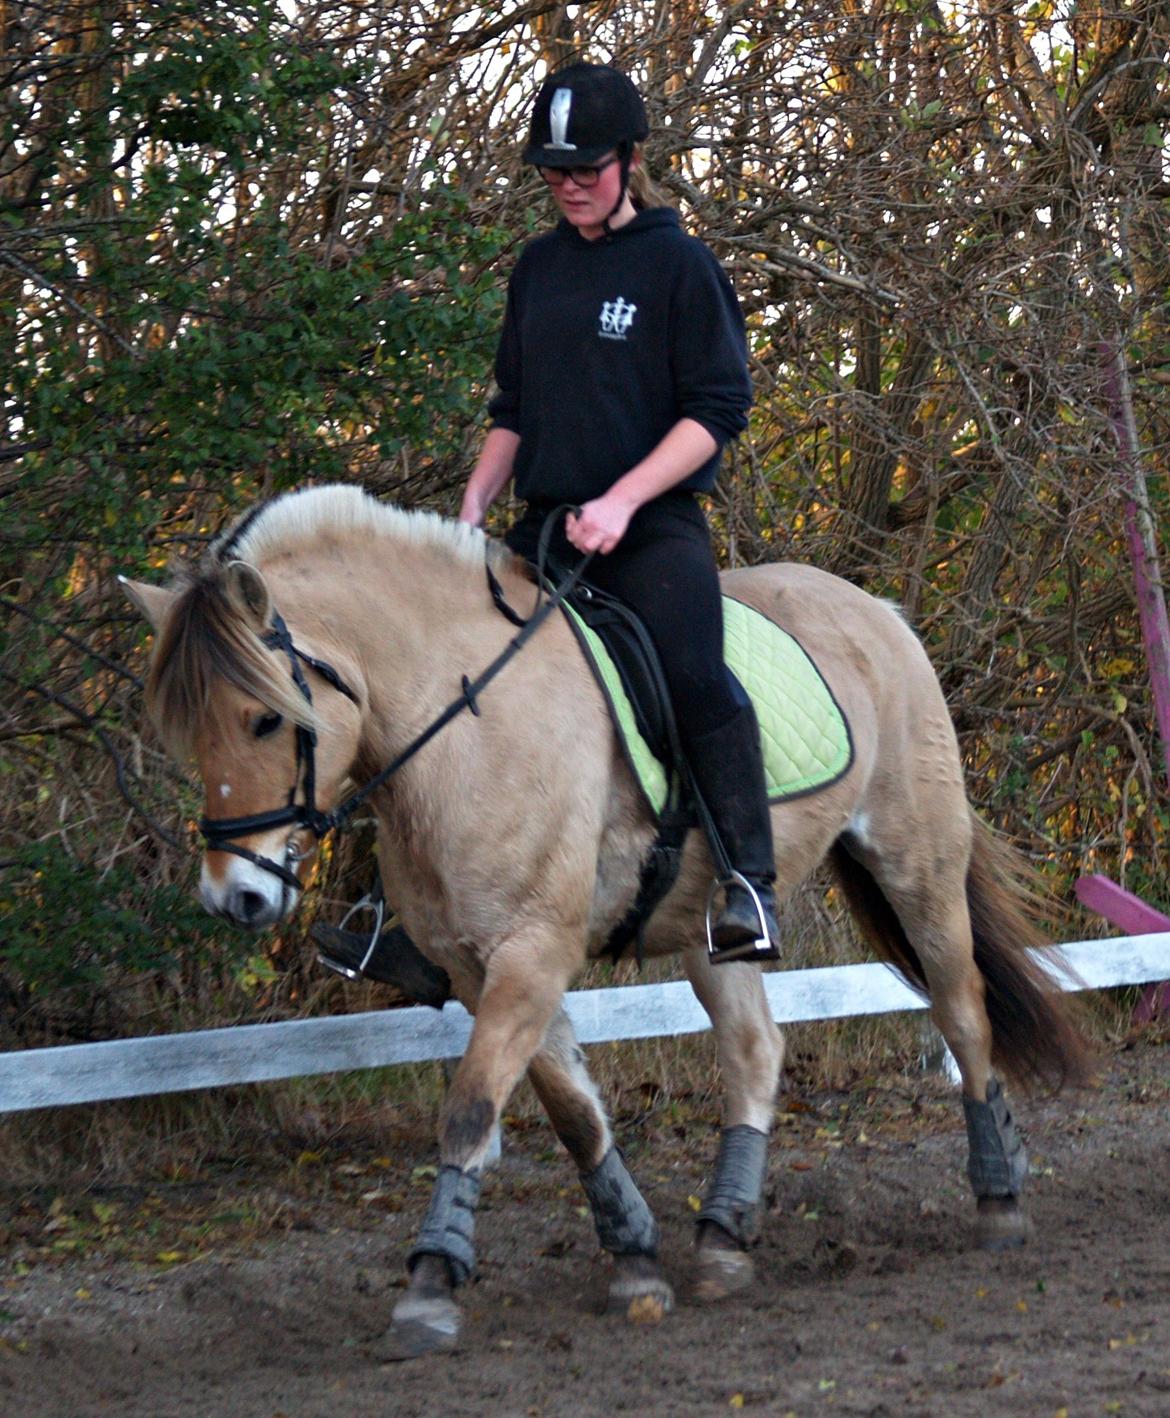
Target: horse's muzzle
(245, 894)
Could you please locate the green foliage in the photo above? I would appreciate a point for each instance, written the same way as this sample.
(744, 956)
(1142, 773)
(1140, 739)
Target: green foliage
(226, 349)
(69, 925)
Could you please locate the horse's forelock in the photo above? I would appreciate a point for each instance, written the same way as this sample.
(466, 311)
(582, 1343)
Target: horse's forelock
(205, 643)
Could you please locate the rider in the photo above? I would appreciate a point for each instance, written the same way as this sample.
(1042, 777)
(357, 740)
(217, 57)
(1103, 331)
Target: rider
(622, 372)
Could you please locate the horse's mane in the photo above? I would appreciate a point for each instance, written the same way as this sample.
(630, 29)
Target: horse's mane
(208, 635)
(342, 510)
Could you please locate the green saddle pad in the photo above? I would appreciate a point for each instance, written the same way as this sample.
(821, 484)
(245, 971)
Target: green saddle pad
(804, 734)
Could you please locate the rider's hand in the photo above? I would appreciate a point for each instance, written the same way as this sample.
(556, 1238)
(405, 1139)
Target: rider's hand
(600, 525)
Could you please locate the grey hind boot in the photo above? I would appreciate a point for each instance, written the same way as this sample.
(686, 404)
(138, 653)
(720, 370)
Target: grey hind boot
(728, 768)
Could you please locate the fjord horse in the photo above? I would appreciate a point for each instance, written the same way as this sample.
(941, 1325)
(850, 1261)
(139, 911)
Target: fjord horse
(322, 635)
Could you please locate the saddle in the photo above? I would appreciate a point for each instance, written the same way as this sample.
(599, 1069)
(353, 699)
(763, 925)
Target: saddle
(623, 638)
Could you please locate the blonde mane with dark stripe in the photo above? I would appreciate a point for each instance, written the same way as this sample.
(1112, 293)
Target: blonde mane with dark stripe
(209, 636)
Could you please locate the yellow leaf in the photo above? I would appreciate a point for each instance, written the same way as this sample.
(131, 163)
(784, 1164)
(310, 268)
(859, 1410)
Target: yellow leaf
(169, 1257)
(83, 1294)
(646, 1309)
(735, 1401)
(694, 1203)
(1022, 1306)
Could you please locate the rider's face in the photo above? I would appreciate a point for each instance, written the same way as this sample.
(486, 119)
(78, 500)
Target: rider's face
(586, 208)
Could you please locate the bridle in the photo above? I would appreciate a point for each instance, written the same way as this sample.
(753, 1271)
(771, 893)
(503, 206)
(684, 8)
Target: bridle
(219, 832)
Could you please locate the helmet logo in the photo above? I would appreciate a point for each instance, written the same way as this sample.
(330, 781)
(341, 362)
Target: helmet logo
(616, 318)
(558, 119)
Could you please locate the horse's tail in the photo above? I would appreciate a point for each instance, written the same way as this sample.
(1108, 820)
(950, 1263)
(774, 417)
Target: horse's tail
(1034, 1039)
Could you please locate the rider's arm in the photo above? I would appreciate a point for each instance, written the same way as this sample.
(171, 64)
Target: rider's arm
(603, 522)
(488, 478)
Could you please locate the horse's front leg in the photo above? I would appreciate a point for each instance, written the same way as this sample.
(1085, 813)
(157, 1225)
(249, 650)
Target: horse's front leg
(750, 1049)
(625, 1226)
(521, 993)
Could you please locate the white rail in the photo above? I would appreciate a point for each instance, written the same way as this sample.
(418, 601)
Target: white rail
(255, 1053)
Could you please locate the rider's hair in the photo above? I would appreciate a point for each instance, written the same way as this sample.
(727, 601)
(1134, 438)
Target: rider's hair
(645, 193)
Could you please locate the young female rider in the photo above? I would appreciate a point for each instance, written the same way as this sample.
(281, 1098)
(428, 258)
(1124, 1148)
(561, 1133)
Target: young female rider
(622, 371)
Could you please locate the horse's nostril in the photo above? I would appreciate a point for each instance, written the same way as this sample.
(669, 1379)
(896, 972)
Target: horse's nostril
(250, 905)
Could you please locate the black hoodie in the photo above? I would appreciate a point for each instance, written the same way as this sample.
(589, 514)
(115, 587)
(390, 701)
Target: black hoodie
(606, 345)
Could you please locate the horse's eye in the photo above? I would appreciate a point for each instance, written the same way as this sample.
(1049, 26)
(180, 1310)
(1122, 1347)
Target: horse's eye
(266, 724)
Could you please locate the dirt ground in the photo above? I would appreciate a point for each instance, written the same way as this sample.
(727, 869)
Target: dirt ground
(257, 1294)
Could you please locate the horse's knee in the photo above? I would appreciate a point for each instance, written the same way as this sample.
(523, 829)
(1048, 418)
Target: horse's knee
(750, 1061)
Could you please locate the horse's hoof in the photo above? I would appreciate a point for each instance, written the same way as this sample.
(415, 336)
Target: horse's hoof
(721, 1271)
(639, 1291)
(422, 1324)
(1001, 1224)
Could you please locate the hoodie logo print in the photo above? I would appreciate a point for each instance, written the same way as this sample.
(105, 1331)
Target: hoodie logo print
(616, 318)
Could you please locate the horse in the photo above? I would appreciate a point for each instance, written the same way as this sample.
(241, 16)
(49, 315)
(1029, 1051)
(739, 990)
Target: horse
(316, 643)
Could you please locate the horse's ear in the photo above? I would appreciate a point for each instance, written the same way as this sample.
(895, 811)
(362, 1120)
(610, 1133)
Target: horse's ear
(249, 594)
(153, 602)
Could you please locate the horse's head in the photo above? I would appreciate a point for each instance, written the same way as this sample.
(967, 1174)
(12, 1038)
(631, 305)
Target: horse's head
(272, 729)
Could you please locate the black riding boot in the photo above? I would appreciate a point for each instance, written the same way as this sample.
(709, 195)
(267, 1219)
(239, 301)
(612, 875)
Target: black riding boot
(393, 960)
(728, 767)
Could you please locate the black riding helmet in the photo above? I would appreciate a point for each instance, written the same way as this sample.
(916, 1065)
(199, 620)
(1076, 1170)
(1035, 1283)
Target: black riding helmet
(580, 114)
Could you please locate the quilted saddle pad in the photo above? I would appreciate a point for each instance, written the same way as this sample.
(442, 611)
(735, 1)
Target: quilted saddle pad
(803, 731)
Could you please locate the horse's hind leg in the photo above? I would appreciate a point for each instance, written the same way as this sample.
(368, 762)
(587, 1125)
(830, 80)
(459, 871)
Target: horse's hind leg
(750, 1049)
(997, 1163)
(929, 908)
(625, 1226)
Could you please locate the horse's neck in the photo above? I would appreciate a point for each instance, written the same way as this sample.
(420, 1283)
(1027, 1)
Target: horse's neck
(411, 621)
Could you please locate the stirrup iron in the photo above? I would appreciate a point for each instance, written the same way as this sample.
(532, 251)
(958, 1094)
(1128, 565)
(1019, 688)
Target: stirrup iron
(757, 950)
(340, 967)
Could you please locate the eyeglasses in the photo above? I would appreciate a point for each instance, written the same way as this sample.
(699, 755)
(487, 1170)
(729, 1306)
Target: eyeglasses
(582, 176)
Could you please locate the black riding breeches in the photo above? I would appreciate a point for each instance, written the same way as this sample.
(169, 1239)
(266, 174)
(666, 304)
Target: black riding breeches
(665, 570)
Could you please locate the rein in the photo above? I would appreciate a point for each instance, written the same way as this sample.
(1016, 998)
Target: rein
(219, 832)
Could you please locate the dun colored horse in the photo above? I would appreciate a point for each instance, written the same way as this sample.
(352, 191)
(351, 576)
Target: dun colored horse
(327, 630)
